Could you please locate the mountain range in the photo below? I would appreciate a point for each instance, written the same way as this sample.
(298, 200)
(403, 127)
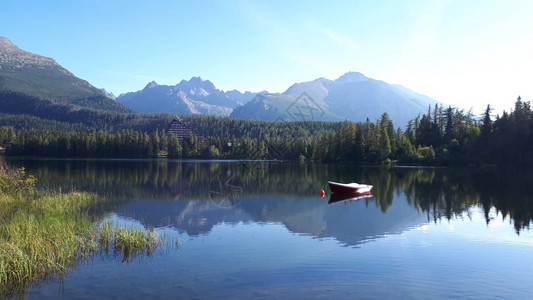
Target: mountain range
(196, 96)
(36, 85)
(352, 96)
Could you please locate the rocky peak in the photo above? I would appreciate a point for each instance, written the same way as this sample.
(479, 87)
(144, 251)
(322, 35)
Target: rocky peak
(5, 43)
(151, 85)
(12, 56)
(351, 77)
(196, 80)
(197, 84)
(108, 94)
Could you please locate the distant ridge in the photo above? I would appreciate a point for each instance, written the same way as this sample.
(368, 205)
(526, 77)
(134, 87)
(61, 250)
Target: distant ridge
(194, 96)
(352, 96)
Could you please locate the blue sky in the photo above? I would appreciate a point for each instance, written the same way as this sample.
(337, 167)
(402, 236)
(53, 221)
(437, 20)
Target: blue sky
(467, 53)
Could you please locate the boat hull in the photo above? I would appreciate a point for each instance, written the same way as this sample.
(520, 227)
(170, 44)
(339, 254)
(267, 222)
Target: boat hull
(352, 188)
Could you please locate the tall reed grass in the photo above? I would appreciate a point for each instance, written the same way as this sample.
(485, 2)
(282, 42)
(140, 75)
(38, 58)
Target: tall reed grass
(45, 234)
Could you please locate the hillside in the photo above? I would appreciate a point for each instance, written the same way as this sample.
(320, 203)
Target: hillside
(31, 112)
(30, 74)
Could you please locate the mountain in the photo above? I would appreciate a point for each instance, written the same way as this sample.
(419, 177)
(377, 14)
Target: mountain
(242, 98)
(30, 74)
(108, 94)
(352, 96)
(196, 96)
(279, 107)
(38, 93)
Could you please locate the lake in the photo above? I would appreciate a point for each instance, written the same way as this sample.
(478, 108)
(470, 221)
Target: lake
(261, 230)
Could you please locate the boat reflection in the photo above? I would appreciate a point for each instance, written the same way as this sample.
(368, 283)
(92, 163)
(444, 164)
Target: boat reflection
(337, 197)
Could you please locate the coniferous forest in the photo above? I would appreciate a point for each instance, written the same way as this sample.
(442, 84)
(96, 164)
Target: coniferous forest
(441, 136)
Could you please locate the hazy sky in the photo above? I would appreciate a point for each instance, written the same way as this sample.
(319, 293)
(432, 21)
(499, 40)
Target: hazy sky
(466, 53)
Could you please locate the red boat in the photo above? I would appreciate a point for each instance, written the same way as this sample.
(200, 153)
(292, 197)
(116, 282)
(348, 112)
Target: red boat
(349, 188)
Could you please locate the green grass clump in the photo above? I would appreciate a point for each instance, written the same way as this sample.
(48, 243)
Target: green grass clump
(43, 235)
(127, 242)
(46, 233)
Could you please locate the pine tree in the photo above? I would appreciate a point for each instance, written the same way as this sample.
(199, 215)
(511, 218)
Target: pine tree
(384, 144)
(174, 147)
(449, 129)
(486, 127)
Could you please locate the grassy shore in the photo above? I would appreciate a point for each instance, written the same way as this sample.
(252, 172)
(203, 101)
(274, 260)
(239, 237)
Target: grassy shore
(47, 233)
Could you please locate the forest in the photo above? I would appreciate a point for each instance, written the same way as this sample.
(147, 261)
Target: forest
(441, 136)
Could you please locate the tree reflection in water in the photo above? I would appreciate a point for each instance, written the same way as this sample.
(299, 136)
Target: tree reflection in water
(438, 192)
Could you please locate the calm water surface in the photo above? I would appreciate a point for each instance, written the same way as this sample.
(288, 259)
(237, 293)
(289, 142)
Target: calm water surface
(261, 230)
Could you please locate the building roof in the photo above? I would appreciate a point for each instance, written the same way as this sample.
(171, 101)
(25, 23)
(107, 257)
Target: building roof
(181, 130)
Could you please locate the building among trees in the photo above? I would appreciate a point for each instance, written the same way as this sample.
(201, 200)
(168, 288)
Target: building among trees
(183, 131)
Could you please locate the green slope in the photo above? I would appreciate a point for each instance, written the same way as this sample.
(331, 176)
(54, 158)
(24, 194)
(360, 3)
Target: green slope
(23, 111)
(34, 75)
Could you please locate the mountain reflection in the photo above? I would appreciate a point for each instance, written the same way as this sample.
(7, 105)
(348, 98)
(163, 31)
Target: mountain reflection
(195, 196)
